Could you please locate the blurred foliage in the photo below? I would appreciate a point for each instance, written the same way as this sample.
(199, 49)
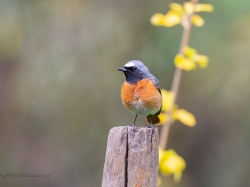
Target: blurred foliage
(171, 163)
(188, 62)
(181, 14)
(60, 91)
(177, 114)
(186, 59)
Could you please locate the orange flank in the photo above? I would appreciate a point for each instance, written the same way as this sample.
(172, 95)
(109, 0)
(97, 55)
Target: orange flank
(142, 98)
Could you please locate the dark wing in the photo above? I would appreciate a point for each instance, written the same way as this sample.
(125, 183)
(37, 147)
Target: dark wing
(156, 83)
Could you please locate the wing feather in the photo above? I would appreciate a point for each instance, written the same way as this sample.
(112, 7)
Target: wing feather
(157, 84)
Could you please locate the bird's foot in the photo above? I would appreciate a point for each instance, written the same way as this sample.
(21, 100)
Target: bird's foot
(150, 126)
(133, 125)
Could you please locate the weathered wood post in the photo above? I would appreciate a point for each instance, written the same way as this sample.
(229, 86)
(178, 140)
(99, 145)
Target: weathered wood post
(131, 157)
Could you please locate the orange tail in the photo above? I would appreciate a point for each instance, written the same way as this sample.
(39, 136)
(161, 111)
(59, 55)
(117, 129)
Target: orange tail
(154, 118)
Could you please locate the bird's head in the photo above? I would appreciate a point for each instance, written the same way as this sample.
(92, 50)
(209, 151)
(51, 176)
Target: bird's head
(135, 71)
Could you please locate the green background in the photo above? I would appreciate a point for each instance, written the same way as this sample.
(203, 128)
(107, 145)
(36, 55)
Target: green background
(60, 90)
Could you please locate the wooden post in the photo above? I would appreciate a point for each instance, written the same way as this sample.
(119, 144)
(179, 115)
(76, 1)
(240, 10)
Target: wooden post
(131, 157)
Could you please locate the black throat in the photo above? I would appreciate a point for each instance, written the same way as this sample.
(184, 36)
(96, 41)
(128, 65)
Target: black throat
(134, 77)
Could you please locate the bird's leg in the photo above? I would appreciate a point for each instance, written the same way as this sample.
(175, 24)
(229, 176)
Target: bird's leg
(150, 125)
(133, 125)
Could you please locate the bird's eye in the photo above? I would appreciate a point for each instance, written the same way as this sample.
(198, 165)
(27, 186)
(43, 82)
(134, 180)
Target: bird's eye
(134, 68)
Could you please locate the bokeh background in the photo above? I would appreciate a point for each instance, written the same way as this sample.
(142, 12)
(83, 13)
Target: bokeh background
(60, 90)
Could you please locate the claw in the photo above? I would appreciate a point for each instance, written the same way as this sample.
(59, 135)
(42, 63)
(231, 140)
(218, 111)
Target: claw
(133, 125)
(150, 126)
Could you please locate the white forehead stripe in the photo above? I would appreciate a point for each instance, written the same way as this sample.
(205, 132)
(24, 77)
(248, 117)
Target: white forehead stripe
(130, 64)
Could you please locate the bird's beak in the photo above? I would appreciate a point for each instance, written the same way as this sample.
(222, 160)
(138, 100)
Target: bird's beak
(122, 69)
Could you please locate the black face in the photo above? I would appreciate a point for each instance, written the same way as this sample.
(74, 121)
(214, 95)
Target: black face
(133, 74)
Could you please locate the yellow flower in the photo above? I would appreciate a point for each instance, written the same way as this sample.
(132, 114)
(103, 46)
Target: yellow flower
(201, 60)
(167, 100)
(172, 18)
(177, 114)
(172, 163)
(185, 117)
(184, 63)
(197, 20)
(181, 14)
(189, 52)
(177, 7)
(189, 60)
(157, 19)
(167, 104)
(203, 8)
(163, 117)
(188, 8)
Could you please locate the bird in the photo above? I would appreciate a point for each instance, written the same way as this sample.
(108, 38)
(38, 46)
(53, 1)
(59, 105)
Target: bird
(141, 92)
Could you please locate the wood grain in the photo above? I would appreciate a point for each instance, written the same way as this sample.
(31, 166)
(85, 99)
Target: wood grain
(131, 157)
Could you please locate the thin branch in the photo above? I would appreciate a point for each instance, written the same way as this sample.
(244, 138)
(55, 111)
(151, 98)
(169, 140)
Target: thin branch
(175, 85)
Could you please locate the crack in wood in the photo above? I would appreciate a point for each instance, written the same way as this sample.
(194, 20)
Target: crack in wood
(131, 157)
(126, 163)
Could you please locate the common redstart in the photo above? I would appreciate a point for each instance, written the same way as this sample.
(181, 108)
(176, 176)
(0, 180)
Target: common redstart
(141, 93)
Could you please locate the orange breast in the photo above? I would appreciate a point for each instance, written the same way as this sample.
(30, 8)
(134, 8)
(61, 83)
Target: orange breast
(141, 98)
